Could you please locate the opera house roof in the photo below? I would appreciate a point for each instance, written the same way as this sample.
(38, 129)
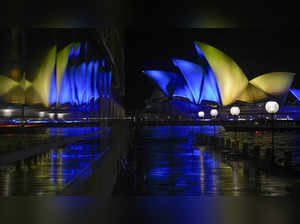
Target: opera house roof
(59, 78)
(218, 79)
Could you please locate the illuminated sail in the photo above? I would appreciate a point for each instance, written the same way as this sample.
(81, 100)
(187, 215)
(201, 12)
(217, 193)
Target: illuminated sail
(251, 94)
(296, 93)
(275, 83)
(231, 79)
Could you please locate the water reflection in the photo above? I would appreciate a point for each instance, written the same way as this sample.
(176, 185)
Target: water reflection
(11, 142)
(51, 172)
(175, 167)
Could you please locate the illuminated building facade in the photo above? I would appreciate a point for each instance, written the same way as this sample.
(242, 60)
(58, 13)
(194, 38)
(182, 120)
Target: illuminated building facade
(218, 81)
(70, 70)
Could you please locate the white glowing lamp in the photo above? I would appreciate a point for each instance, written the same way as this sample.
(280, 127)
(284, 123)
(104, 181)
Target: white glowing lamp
(51, 115)
(60, 115)
(7, 112)
(201, 114)
(42, 113)
(272, 107)
(214, 112)
(235, 111)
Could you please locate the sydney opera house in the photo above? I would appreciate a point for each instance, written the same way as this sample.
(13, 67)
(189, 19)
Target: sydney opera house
(216, 82)
(65, 76)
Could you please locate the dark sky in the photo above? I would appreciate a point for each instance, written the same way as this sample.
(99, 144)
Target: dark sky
(255, 50)
(268, 41)
(146, 13)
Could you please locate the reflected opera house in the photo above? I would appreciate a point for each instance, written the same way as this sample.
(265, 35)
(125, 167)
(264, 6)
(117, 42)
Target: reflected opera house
(217, 82)
(70, 73)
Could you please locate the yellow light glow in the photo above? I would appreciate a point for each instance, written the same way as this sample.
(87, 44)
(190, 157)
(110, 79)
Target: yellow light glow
(42, 82)
(252, 94)
(231, 79)
(275, 83)
(6, 84)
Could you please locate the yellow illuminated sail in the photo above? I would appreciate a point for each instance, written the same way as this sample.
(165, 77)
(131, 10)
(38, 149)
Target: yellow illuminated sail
(231, 79)
(6, 84)
(42, 81)
(251, 94)
(275, 83)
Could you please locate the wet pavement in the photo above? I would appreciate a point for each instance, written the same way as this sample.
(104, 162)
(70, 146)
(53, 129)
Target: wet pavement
(166, 161)
(50, 173)
(14, 141)
(169, 162)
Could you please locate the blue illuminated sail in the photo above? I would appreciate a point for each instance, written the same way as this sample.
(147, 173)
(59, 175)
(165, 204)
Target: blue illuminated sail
(193, 75)
(180, 88)
(210, 90)
(162, 79)
(296, 93)
(82, 83)
(76, 55)
(173, 85)
(196, 82)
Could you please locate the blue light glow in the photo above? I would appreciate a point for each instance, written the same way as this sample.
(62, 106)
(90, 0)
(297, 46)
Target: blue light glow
(71, 52)
(85, 49)
(200, 53)
(173, 85)
(193, 75)
(162, 78)
(196, 83)
(74, 158)
(196, 170)
(103, 63)
(82, 84)
(210, 90)
(296, 93)
(77, 51)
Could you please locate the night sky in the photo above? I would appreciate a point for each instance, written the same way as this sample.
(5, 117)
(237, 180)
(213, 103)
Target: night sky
(265, 35)
(255, 50)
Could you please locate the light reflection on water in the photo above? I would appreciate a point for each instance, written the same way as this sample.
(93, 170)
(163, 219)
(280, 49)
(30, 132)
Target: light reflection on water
(51, 172)
(182, 168)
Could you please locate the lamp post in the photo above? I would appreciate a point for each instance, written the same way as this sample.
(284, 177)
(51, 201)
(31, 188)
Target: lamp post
(214, 114)
(235, 111)
(201, 114)
(272, 108)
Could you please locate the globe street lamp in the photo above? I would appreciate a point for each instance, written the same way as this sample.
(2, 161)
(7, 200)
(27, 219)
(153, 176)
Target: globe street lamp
(272, 108)
(201, 114)
(214, 114)
(235, 111)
